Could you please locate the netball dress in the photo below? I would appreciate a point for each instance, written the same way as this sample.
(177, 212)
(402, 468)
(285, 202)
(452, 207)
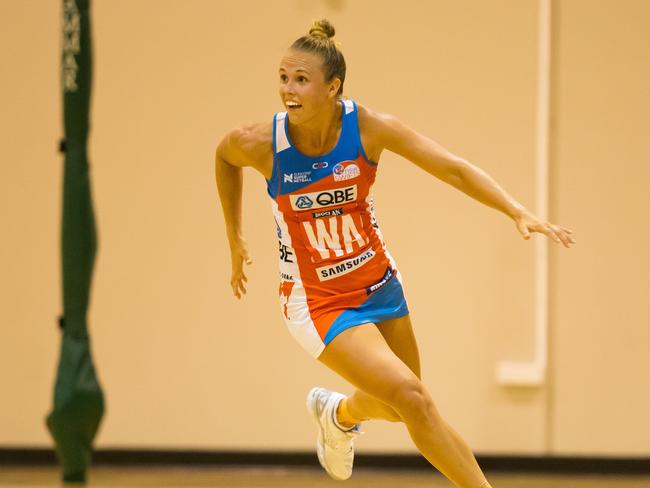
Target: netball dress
(335, 270)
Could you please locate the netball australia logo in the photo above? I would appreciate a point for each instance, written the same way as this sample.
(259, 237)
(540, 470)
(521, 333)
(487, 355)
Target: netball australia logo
(345, 170)
(298, 177)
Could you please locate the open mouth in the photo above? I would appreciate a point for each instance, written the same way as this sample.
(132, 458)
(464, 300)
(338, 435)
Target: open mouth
(293, 105)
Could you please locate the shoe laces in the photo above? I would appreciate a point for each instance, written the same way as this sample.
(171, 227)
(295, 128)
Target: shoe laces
(337, 437)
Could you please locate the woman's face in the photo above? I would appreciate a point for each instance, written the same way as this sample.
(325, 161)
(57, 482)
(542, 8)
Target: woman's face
(303, 89)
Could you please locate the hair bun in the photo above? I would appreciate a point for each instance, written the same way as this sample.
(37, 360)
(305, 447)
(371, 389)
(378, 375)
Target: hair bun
(322, 28)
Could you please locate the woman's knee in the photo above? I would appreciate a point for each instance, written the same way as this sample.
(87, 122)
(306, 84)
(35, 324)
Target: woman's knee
(411, 400)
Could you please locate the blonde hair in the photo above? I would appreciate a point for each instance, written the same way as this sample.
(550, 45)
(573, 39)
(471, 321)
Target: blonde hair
(320, 41)
(322, 28)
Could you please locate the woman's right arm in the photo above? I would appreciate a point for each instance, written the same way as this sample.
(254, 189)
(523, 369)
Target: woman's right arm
(246, 146)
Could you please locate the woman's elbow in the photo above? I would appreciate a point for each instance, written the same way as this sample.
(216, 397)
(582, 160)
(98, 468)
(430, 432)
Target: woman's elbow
(455, 172)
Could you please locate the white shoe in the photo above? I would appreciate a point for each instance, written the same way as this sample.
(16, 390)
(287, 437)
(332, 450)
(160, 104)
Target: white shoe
(335, 447)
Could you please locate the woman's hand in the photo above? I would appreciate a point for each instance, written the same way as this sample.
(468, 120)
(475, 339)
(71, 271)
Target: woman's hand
(528, 223)
(239, 255)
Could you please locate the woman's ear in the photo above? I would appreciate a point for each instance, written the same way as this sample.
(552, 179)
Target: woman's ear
(334, 88)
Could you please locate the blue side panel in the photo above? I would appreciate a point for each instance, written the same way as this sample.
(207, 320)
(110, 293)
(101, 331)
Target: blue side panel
(272, 184)
(386, 303)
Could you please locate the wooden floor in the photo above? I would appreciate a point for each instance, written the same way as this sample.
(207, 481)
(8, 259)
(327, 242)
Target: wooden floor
(294, 478)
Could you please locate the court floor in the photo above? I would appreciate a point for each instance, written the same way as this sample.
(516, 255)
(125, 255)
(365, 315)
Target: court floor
(184, 477)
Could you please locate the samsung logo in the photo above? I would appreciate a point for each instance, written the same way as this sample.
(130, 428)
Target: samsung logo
(344, 267)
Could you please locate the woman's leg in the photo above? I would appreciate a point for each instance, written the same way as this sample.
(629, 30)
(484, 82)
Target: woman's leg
(362, 356)
(359, 406)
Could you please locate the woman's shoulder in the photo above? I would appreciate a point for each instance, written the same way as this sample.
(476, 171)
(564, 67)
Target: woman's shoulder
(376, 129)
(252, 137)
(373, 120)
(249, 144)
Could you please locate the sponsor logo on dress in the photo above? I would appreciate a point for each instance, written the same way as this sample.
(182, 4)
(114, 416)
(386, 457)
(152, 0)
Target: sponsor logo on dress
(344, 267)
(286, 253)
(325, 198)
(346, 170)
(387, 276)
(320, 165)
(338, 234)
(302, 202)
(327, 213)
(299, 177)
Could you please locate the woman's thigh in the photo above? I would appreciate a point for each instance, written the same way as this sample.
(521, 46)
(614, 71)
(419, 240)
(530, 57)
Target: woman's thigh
(399, 335)
(363, 357)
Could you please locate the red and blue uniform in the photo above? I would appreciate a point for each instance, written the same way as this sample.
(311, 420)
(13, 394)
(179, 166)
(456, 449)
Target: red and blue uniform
(335, 270)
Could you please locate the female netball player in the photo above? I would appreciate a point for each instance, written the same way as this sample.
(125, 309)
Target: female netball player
(340, 291)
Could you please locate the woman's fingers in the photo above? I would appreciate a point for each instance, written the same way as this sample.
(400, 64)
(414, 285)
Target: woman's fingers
(237, 284)
(242, 287)
(234, 284)
(238, 276)
(568, 233)
(558, 234)
(564, 239)
(561, 234)
(550, 232)
(238, 287)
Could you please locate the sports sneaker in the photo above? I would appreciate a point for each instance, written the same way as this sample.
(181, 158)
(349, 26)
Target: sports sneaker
(334, 446)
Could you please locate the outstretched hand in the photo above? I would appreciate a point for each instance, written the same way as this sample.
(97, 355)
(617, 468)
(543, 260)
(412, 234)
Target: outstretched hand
(527, 223)
(239, 255)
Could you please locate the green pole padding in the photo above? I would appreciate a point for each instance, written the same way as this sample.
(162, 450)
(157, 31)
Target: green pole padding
(78, 398)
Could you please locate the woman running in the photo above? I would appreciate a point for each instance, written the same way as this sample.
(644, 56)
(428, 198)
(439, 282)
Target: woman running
(340, 290)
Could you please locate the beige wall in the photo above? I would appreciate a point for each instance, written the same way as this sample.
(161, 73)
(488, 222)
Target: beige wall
(601, 312)
(185, 365)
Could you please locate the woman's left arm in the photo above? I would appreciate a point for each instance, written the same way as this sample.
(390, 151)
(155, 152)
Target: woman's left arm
(395, 136)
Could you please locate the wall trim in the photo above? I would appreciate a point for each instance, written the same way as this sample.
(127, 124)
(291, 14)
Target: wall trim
(501, 463)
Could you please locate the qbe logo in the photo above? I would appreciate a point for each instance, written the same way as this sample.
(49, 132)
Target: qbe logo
(325, 198)
(303, 202)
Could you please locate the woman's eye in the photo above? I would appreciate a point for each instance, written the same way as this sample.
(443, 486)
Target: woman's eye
(283, 78)
(302, 79)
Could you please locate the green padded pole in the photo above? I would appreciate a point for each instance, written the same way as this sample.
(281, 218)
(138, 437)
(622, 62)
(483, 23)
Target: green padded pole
(78, 398)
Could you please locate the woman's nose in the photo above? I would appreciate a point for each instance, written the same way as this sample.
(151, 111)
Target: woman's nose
(287, 88)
